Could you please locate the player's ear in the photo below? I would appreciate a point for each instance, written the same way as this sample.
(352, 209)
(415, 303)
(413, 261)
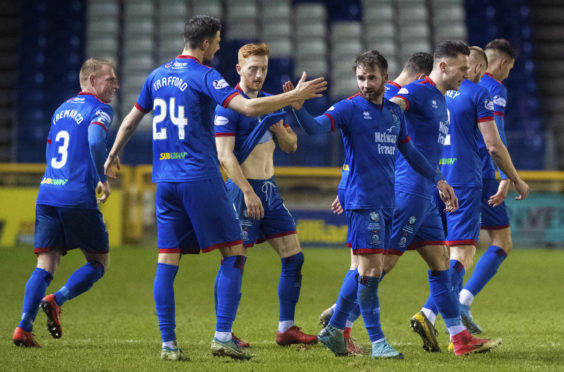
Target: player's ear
(238, 68)
(386, 77)
(204, 44)
(443, 66)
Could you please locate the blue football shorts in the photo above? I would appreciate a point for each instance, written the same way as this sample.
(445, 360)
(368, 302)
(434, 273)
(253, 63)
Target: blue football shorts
(195, 216)
(493, 218)
(277, 220)
(64, 228)
(369, 229)
(462, 227)
(416, 223)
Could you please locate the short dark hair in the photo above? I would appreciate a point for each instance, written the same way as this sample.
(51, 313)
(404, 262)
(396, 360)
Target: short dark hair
(371, 58)
(200, 28)
(419, 63)
(501, 45)
(451, 49)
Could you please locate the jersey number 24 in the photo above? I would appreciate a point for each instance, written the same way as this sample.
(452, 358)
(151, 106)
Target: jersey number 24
(177, 119)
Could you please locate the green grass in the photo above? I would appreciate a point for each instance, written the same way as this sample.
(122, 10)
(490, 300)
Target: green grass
(114, 327)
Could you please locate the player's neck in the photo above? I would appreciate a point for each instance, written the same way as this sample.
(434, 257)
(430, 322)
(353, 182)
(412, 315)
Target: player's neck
(494, 73)
(196, 53)
(403, 80)
(248, 92)
(435, 76)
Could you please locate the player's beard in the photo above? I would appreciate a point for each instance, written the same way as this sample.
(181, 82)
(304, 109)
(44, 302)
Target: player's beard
(373, 94)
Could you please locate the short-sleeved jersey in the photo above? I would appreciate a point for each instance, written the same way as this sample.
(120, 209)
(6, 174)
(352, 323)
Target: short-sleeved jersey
(460, 162)
(498, 92)
(371, 134)
(182, 94)
(392, 89)
(229, 122)
(70, 176)
(427, 122)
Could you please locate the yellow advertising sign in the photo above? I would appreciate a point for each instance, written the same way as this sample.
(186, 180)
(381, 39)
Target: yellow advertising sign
(17, 216)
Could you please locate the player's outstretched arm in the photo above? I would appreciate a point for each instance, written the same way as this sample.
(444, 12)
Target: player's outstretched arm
(502, 159)
(286, 137)
(263, 105)
(228, 161)
(422, 166)
(311, 125)
(287, 87)
(126, 130)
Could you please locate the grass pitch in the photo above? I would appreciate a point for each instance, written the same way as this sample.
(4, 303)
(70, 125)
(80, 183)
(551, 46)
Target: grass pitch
(114, 327)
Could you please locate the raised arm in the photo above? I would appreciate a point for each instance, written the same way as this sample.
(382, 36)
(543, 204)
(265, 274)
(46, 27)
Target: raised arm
(263, 105)
(225, 146)
(502, 160)
(126, 130)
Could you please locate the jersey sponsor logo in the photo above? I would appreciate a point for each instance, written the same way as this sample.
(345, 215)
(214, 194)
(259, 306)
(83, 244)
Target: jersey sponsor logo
(387, 141)
(77, 100)
(220, 120)
(447, 161)
(500, 101)
(73, 114)
(172, 155)
(220, 84)
(443, 130)
(54, 181)
(488, 104)
(403, 91)
(366, 115)
(103, 118)
(178, 65)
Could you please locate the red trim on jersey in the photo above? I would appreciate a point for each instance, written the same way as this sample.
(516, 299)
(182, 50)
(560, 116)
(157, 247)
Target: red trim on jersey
(428, 80)
(349, 245)
(368, 250)
(221, 245)
(274, 236)
(138, 107)
(494, 227)
(185, 56)
(499, 113)
(238, 87)
(490, 75)
(229, 134)
(185, 250)
(48, 141)
(406, 101)
(100, 124)
(394, 84)
(484, 119)
(451, 243)
(395, 252)
(332, 121)
(405, 140)
(229, 98)
(423, 243)
(90, 94)
(355, 95)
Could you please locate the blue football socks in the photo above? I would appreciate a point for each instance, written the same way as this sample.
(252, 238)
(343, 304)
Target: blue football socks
(485, 269)
(370, 306)
(163, 291)
(79, 282)
(289, 285)
(229, 291)
(34, 291)
(346, 300)
(446, 301)
(457, 272)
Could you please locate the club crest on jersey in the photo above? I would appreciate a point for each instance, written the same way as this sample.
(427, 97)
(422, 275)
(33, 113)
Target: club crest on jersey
(366, 115)
(488, 104)
(403, 91)
(500, 101)
(395, 117)
(220, 84)
(220, 120)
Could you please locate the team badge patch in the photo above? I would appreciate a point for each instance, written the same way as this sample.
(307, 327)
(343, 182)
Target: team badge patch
(220, 120)
(403, 91)
(220, 84)
(488, 104)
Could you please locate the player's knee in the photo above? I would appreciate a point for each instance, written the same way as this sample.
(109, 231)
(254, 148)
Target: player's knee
(390, 262)
(99, 268)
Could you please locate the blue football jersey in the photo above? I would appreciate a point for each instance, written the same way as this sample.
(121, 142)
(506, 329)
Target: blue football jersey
(182, 94)
(70, 176)
(392, 89)
(498, 93)
(371, 134)
(460, 163)
(427, 122)
(229, 122)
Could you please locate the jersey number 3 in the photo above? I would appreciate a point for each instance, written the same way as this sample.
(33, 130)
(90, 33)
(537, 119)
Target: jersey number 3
(62, 136)
(179, 119)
